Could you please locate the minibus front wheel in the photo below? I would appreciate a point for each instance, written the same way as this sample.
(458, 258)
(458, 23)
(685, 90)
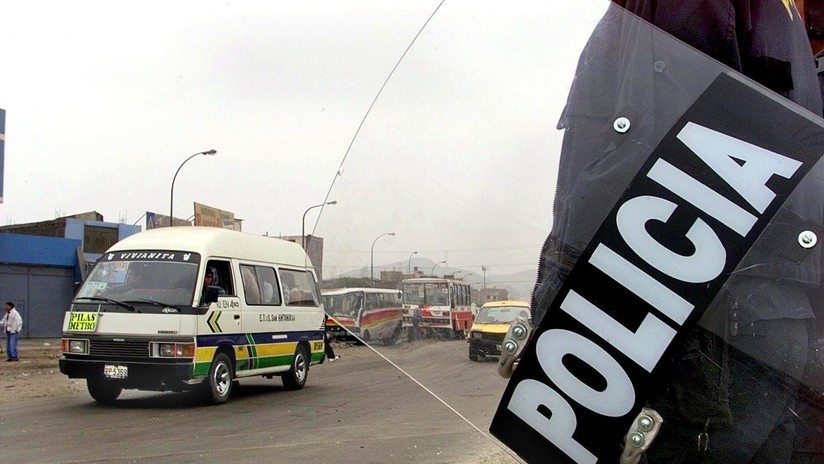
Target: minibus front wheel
(103, 391)
(219, 381)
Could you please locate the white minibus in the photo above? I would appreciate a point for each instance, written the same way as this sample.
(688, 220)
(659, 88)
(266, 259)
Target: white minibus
(185, 308)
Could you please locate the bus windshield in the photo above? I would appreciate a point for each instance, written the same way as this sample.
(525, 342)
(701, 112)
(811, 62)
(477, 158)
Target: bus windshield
(346, 304)
(413, 294)
(431, 294)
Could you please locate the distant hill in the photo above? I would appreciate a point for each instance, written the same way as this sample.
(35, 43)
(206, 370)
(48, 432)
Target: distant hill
(519, 284)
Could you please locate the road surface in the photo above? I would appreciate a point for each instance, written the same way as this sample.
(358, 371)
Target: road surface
(360, 409)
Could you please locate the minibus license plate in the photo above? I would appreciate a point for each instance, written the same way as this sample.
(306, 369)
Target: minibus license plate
(111, 371)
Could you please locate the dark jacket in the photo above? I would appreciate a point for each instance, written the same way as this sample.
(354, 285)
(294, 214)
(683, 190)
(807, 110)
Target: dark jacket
(760, 38)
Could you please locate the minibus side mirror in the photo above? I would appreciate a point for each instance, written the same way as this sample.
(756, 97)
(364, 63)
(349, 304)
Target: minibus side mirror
(212, 292)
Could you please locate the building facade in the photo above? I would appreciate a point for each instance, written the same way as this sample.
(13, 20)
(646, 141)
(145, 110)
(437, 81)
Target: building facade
(42, 263)
(314, 248)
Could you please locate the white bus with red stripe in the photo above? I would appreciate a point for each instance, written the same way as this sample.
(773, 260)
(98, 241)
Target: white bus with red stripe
(367, 314)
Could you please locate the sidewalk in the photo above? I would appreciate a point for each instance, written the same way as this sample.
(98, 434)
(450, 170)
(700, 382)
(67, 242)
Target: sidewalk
(31, 344)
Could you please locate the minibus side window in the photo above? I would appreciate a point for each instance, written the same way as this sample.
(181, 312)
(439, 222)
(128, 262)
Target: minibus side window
(250, 285)
(224, 275)
(299, 288)
(268, 282)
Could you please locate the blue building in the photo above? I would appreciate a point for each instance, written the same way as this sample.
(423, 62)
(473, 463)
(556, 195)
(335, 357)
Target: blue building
(42, 263)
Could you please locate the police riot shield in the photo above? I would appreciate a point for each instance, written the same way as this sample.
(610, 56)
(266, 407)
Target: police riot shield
(679, 204)
(679, 286)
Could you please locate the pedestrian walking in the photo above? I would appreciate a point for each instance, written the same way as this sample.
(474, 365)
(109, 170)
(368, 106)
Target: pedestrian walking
(13, 323)
(327, 346)
(417, 317)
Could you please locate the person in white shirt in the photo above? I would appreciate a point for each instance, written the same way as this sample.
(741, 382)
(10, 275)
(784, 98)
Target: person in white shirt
(13, 323)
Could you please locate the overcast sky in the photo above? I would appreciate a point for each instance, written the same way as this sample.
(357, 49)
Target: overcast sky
(105, 100)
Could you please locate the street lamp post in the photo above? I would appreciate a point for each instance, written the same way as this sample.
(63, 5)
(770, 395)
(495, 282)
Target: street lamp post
(303, 222)
(172, 193)
(372, 258)
(409, 266)
(432, 272)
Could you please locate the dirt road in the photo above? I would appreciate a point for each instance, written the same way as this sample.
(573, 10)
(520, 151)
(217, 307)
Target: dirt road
(37, 374)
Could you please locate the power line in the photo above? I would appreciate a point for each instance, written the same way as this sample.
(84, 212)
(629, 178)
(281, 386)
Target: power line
(371, 105)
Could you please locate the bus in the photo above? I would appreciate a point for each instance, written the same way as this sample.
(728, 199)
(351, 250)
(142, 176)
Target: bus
(439, 306)
(186, 308)
(364, 314)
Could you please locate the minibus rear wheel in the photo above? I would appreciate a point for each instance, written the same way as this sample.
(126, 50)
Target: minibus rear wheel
(295, 379)
(219, 382)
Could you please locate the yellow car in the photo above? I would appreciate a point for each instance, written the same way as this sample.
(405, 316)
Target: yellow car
(490, 326)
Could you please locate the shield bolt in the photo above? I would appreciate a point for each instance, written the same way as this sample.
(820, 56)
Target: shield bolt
(510, 346)
(645, 423)
(807, 239)
(621, 125)
(637, 439)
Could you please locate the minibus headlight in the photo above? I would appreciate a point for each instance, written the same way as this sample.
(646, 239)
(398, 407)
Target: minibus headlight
(74, 346)
(166, 350)
(172, 350)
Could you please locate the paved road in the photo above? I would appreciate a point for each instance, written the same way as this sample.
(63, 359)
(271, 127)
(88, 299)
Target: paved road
(361, 409)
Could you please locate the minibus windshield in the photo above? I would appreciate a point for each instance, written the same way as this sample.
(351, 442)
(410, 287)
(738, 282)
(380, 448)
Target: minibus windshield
(169, 281)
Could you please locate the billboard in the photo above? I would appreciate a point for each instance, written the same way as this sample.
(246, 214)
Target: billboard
(213, 217)
(155, 220)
